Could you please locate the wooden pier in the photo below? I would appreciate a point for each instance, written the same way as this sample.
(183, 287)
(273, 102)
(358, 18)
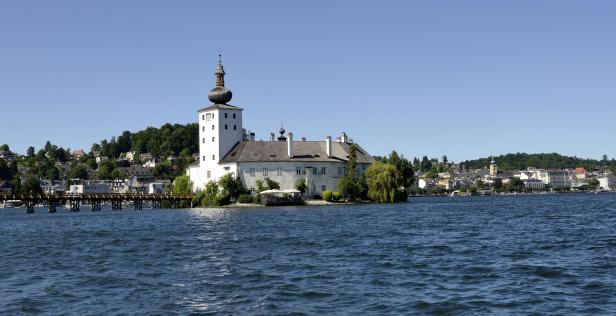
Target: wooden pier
(75, 201)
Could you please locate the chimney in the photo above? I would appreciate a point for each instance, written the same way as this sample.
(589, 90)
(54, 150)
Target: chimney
(272, 137)
(290, 144)
(328, 146)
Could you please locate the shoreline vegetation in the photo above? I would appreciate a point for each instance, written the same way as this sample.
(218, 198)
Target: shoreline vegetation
(164, 153)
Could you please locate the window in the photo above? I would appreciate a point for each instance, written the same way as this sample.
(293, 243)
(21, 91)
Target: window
(209, 174)
(202, 117)
(264, 170)
(233, 115)
(323, 170)
(234, 127)
(213, 139)
(278, 171)
(203, 158)
(323, 188)
(203, 141)
(226, 126)
(212, 115)
(213, 157)
(252, 190)
(252, 172)
(298, 170)
(203, 128)
(339, 171)
(212, 127)
(209, 116)
(314, 170)
(225, 115)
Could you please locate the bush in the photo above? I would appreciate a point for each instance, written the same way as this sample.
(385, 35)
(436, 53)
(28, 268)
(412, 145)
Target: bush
(327, 195)
(337, 196)
(271, 184)
(301, 186)
(245, 198)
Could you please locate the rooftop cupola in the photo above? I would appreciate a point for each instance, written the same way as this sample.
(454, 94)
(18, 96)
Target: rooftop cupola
(282, 138)
(220, 94)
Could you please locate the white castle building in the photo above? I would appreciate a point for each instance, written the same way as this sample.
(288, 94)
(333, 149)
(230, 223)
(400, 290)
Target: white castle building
(226, 147)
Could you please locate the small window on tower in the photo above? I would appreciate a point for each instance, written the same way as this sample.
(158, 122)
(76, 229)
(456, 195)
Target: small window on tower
(203, 158)
(235, 127)
(203, 141)
(212, 127)
(225, 115)
(233, 115)
(226, 127)
(209, 174)
(202, 117)
(213, 157)
(213, 139)
(203, 129)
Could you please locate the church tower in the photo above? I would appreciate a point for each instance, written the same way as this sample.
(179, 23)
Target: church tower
(220, 129)
(493, 168)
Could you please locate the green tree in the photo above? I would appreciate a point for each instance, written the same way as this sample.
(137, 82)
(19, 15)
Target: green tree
(593, 184)
(382, 186)
(231, 185)
(348, 184)
(271, 184)
(78, 171)
(182, 185)
(300, 185)
(105, 170)
(4, 147)
(31, 185)
(5, 171)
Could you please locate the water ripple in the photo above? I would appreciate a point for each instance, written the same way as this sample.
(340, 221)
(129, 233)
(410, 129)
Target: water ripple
(469, 256)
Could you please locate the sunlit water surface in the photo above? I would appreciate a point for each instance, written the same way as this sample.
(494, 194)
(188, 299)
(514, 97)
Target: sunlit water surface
(480, 255)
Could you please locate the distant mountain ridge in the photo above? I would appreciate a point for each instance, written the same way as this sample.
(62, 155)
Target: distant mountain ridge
(519, 161)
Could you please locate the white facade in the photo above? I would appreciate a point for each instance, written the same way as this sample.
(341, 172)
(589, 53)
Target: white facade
(553, 178)
(221, 130)
(607, 183)
(319, 176)
(534, 184)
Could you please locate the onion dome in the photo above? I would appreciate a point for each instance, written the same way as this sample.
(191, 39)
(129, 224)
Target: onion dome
(281, 138)
(220, 94)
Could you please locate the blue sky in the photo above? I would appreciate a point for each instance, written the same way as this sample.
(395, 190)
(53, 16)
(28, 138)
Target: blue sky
(463, 78)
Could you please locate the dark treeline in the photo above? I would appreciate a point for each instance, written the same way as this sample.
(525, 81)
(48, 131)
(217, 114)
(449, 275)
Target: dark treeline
(521, 161)
(168, 140)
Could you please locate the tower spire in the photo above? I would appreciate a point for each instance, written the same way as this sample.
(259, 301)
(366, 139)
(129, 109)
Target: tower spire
(220, 72)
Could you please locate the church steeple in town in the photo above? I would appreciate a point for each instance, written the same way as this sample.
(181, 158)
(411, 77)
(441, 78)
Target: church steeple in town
(220, 94)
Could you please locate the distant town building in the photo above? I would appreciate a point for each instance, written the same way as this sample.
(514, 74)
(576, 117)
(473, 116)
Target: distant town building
(607, 182)
(8, 155)
(534, 184)
(78, 153)
(493, 168)
(553, 178)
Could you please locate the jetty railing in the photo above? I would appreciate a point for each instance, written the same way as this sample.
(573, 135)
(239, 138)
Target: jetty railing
(75, 200)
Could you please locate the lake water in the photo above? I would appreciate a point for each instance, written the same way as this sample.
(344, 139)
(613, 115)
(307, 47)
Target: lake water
(512, 255)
